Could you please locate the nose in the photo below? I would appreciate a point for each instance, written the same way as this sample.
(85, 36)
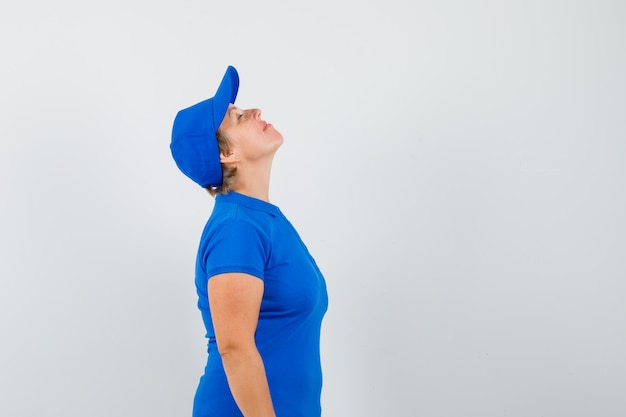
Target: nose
(256, 113)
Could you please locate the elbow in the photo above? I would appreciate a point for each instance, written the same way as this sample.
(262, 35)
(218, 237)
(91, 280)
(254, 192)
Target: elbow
(235, 349)
(236, 357)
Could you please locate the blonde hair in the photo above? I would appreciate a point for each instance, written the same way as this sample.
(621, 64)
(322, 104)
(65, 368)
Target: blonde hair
(228, 172)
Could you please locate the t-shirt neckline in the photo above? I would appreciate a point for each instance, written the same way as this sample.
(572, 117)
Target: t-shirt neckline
(247, 201)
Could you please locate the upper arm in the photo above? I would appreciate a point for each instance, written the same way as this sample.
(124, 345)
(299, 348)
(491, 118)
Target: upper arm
(235, 302)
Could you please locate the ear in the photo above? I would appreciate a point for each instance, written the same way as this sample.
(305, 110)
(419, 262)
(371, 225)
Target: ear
(228, 159)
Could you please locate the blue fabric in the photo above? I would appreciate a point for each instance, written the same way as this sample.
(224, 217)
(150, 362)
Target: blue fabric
(248, 235)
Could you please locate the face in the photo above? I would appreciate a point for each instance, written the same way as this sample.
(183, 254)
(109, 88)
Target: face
(251, 137)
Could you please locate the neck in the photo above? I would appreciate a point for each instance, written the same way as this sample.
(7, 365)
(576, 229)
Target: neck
(253, 181)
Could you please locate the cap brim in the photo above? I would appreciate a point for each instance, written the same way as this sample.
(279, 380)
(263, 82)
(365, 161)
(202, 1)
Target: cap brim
(225, 95)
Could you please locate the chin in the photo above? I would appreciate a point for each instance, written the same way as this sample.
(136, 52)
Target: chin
(279, 138)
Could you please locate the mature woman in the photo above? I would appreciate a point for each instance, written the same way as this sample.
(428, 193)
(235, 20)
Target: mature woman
(261, 295)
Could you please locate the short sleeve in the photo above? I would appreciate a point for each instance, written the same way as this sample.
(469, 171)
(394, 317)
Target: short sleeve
(236, 246)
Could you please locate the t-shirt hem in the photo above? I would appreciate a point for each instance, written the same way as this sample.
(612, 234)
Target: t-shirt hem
(234, 269)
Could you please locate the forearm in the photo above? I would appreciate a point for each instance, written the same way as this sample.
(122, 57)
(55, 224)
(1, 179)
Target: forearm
(248, 382)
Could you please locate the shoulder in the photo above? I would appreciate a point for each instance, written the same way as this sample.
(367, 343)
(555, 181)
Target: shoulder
(235, 243)
(237, 228)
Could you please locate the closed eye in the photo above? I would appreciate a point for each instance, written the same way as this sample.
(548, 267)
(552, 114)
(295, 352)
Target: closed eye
(234, 109)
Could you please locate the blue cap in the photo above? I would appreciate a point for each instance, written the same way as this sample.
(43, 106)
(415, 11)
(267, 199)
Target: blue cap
(194, 144)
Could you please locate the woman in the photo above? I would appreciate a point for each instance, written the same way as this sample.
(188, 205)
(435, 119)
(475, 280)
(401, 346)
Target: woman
(261, 295)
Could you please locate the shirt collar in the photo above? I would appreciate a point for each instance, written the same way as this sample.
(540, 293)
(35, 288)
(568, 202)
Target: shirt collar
(249, 202)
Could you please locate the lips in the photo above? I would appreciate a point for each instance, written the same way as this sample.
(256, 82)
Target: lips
(266, 126)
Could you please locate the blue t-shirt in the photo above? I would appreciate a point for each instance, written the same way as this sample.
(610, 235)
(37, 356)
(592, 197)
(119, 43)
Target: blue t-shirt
(252, 236)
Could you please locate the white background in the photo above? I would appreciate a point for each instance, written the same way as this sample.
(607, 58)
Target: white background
(457, 168)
